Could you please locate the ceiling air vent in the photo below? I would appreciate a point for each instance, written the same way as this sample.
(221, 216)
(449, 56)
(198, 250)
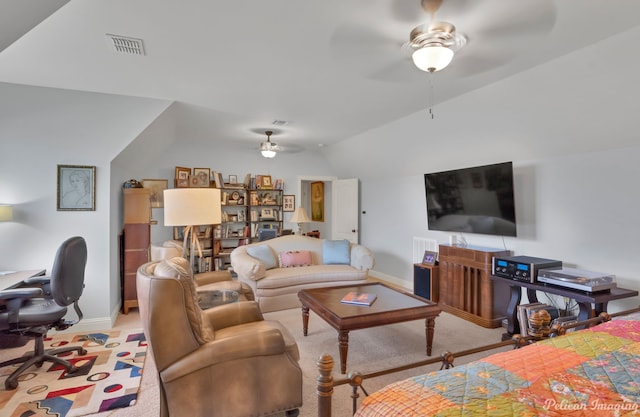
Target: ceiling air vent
(126, 45)
(279, 122)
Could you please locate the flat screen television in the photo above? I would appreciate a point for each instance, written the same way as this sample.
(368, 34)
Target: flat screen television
(474, 200)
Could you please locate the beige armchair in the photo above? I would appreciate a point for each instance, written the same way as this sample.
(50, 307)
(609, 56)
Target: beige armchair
(225, 361)
(204, 281)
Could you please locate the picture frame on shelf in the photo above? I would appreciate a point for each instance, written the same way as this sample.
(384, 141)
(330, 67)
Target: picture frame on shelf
(429, 258)
(233, 179)
(182, 177)
(267, 214)
(219, 180)
(76, 188)
(288, 203)
(200, 177)
(156, 188)
(265, 182)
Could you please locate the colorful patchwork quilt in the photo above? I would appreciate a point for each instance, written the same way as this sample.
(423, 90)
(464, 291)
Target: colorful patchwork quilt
(593, 372)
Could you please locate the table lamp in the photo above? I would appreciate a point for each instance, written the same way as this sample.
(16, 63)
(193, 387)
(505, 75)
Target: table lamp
(300, 216)
(191, 207)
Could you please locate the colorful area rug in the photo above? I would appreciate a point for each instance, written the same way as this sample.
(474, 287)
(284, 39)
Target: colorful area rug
(109, 377)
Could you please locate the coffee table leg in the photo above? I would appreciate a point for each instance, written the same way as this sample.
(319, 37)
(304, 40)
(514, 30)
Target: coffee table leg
(305, 319)
(429, 328)
(343, 346)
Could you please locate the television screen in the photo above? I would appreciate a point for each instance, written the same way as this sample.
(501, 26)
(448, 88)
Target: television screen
(474, 200)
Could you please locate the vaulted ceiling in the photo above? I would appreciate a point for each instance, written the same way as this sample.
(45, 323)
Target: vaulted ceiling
(329, 69)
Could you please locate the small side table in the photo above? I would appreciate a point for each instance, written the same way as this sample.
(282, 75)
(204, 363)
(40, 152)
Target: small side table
(209, 299)
(583, 299)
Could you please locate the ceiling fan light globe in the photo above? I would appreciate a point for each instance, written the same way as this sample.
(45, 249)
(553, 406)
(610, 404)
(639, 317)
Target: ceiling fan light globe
(432, 58)
(267, 150)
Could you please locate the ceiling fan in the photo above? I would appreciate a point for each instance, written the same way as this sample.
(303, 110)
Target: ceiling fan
(483, 35)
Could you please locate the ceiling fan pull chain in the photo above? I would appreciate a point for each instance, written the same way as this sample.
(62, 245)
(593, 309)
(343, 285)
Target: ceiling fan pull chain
(431, 93)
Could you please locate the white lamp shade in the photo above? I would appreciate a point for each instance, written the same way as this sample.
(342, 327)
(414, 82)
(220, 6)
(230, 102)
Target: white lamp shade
(300, 216)
(192, 206)
(6, 213)
(432, 58)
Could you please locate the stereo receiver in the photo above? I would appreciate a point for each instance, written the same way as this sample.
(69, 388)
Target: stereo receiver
(522, 268)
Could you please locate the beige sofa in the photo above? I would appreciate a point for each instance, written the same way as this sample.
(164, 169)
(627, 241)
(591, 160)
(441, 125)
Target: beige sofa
(276, 283)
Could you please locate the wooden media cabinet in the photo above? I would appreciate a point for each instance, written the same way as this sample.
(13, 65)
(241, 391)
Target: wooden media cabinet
(466, 287)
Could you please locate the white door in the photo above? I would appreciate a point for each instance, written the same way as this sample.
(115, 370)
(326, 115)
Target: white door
(345, 209)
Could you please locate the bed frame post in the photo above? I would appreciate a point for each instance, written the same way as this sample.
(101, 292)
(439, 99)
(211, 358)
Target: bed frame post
(324, 387)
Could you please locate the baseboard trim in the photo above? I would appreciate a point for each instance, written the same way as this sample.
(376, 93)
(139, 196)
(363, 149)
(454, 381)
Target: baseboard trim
(407, 286)
(93, 325)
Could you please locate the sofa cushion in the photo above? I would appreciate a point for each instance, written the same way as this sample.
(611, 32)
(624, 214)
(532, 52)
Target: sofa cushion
(264, 254)
(336, 252)
(295, 258)
(294, 279)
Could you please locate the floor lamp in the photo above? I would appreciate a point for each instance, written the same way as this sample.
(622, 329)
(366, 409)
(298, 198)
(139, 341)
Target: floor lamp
(192, 207)
(300, 216)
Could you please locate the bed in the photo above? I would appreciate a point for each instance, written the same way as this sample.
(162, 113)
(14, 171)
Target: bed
(595, 371)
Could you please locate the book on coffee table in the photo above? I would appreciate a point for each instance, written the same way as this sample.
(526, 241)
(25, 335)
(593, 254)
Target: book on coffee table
(359, 298)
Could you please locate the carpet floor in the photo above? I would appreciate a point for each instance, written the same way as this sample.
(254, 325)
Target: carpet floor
(369, 349)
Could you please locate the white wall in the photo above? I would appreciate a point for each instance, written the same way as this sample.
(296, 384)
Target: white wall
(533, 119)
(39, 129)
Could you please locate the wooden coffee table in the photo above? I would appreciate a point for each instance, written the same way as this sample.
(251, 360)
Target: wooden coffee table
(391, 306)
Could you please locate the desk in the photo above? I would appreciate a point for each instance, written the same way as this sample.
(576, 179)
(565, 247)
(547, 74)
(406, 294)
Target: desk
(13, 279)
(584, 299)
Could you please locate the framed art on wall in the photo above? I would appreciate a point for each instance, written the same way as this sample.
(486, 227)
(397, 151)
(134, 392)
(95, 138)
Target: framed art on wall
(76, 188)
(288, 203)
(317, 201)
(156, 188)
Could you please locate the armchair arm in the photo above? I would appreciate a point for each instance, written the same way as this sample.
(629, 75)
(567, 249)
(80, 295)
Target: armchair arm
(41, 282)
(23, 293)
(243, 346)
(204, 278)
(15, 297)
(233, 314)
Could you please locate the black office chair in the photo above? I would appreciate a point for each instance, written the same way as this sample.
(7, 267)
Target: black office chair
(40, 304)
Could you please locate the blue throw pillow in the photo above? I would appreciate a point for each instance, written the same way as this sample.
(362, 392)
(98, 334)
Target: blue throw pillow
(336, 252)
(264, 254)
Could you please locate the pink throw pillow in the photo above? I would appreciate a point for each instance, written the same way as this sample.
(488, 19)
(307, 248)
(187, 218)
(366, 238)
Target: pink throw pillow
(295, 258)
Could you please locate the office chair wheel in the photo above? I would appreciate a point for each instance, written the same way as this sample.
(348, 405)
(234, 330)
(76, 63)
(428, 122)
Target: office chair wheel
(10, 385)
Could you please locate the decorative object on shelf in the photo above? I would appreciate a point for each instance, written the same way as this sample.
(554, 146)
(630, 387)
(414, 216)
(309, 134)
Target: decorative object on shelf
(131, 184)
(288, 203)
(268, 149)
(299, 217)
(200, 177)
(6, 213)
(429, 257)
(156, 188)
(76, 188)
(192, 207)
(182, 177)
(317, 201)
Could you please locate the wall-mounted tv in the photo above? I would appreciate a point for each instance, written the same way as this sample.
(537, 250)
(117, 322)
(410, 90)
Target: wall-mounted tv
(473, 200)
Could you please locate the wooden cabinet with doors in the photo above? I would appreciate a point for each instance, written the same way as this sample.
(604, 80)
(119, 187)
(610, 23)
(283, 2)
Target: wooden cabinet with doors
(466, 289)
(134, 242)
